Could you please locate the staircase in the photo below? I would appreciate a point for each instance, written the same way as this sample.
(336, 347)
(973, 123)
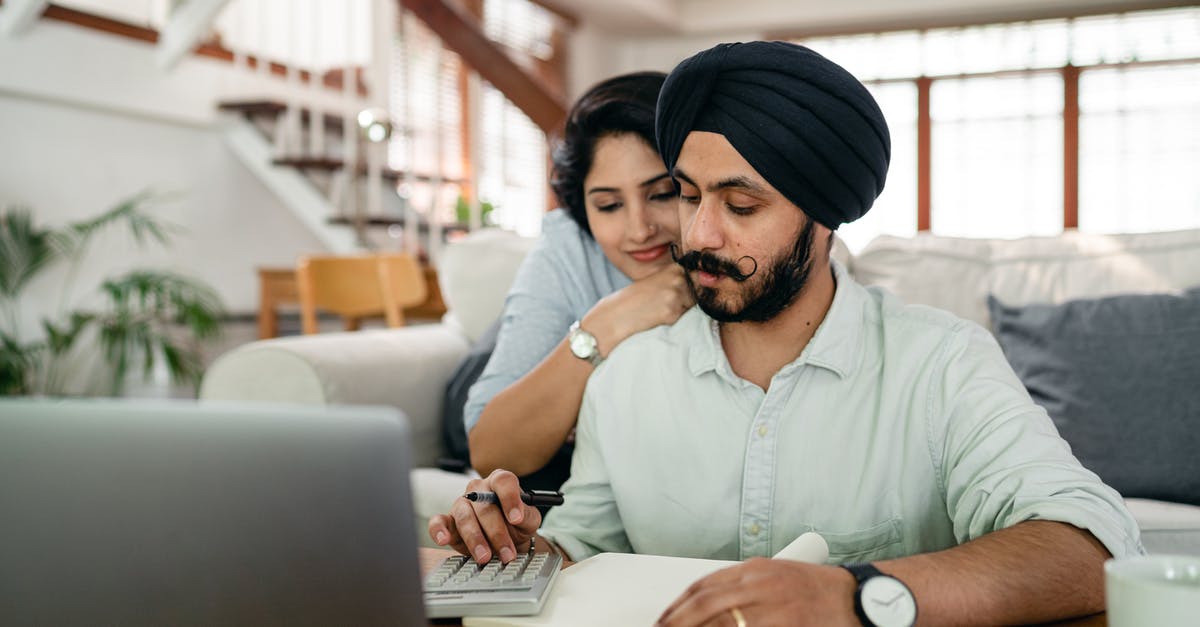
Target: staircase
(329, 176)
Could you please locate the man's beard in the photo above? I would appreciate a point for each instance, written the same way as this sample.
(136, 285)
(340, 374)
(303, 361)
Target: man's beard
(779, 287)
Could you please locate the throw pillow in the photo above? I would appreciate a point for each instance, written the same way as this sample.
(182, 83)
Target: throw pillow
(1120, 377)
(454, 432)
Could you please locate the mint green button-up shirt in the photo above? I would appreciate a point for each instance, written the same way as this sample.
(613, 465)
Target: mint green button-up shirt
(899, 430)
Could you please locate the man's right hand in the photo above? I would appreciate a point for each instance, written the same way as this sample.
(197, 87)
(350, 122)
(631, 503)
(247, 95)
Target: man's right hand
(483, 529)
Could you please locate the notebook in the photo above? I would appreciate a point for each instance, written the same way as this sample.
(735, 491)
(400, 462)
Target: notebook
(178, 513)
(629, 589)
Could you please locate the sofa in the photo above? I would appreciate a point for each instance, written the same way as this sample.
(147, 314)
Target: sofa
(409, 367)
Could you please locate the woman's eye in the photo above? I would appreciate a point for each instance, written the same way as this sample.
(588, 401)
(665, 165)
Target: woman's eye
(664, 196)
(741, 211)
(609, 207)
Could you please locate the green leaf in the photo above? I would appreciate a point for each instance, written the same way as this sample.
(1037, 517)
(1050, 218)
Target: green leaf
(18, 363)
(144, 304)
(132, 212)
(24, 250)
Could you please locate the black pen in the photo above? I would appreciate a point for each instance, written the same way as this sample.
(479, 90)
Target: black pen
(536, 498)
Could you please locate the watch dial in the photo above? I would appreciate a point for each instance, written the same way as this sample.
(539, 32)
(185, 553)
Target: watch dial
(888, 603)
(581, 345)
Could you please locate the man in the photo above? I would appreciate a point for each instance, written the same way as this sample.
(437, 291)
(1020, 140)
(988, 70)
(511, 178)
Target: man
(793, 399)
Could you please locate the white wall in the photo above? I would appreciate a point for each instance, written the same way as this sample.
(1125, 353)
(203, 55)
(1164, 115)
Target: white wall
(69, 163)
(597, 54)
(87, 120)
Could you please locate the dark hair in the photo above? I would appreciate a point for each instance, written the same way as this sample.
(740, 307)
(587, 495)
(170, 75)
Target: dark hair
(622, 104)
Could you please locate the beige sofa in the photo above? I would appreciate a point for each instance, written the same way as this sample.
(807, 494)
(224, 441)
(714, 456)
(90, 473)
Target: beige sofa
(408, 368)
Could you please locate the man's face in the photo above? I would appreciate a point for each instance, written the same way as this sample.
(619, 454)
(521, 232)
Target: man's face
(747, 249)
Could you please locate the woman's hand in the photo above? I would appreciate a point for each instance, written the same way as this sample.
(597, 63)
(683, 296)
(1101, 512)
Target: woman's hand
(483, 529)
(649, 302)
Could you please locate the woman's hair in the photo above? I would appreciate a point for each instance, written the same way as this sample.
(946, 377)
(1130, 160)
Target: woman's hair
(622, 104)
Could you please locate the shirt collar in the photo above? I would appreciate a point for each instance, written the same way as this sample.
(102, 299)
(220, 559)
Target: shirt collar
(836, 346)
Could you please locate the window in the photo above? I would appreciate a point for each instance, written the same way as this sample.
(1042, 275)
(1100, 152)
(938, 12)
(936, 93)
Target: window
(1139, 149)
(513, 171)
(426, 103)
(999, 156)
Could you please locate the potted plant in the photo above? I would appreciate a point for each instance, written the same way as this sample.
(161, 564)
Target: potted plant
(148, 315)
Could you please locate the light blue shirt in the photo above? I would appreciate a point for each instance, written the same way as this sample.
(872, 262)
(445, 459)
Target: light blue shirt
(899, 430)
(560, 280)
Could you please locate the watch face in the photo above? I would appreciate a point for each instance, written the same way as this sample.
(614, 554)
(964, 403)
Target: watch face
(888, 603)
(583, 344)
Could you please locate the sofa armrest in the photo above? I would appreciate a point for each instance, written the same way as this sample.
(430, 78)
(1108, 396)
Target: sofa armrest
(406, 368)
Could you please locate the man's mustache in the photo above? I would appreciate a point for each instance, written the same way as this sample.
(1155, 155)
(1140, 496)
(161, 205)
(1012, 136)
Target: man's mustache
(712, 264)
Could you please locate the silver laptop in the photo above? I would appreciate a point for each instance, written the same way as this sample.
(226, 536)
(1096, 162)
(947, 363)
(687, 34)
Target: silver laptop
(177, 513)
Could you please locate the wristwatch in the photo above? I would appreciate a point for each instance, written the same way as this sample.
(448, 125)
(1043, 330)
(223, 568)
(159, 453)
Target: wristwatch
(583, 345)
(881, 600)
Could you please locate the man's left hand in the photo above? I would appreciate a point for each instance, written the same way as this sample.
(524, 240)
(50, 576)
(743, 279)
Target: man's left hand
(767, 593)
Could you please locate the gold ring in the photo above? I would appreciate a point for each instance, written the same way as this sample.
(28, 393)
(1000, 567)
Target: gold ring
(737, 616)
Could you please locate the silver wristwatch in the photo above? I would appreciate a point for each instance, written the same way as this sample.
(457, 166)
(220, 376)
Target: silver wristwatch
(583, 345)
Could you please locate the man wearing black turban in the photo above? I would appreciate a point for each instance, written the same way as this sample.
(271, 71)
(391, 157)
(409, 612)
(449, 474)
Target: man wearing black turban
(794, 399)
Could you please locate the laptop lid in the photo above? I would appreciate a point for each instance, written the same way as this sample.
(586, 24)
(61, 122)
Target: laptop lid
(178, 513)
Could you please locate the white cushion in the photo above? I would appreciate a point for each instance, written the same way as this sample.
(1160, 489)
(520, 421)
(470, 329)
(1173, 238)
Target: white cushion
(957, 274)
(1167, 527)
(475, 274)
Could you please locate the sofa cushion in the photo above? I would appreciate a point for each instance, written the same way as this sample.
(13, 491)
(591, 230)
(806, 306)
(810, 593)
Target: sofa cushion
(1120, 377)
(957, 274)
(475, 273)
(1167, 527)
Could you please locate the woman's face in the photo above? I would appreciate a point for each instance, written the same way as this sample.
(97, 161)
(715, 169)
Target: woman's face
(631, 204)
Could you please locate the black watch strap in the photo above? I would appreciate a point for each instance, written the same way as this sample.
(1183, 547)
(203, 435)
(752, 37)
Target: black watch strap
(863, 571)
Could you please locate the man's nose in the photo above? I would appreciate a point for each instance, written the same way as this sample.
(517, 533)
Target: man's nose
(704, 229)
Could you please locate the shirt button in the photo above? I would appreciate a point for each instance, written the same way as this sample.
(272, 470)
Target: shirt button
(754, 529)
(762, 430)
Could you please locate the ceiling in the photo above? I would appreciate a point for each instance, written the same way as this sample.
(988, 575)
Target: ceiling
(688, 17)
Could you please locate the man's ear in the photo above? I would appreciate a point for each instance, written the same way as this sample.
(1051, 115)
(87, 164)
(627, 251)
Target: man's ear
(824, 234)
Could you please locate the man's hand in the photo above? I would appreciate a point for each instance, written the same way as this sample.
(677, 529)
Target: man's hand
(768, 593)
(481, 529)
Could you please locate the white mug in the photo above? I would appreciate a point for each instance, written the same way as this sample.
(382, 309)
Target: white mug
(1152, 590)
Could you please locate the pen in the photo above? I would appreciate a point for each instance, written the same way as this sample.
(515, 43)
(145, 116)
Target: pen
(536, 498)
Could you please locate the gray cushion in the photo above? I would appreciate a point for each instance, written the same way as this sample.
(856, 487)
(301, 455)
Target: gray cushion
(1120, 377)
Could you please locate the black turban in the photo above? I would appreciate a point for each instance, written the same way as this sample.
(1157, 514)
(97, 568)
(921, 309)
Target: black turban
(805, 124)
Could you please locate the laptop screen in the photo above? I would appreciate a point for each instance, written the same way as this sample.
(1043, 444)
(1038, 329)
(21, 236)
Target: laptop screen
(184, 513)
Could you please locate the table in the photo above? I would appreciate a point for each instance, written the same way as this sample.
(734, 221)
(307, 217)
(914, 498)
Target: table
(277, 286)
(430, 558)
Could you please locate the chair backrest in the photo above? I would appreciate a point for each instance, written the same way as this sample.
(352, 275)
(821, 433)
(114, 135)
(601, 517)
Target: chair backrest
(401, 274)
(356, 287)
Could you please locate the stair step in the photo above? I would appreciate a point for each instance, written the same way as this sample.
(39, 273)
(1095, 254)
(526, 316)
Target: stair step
(330, 164)
(386, 221)
(274, 108)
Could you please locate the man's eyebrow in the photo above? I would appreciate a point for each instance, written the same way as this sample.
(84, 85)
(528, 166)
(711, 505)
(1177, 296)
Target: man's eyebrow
(733, 182)
(737, 182)
(677, 173)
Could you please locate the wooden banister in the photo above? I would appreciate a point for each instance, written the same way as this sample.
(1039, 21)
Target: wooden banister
(461, 32)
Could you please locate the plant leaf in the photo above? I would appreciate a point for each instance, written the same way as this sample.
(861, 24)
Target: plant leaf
(24, 250)
(132, 211)
(18, 364)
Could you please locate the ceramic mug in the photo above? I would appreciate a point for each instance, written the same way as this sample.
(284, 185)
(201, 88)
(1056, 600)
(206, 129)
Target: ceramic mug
(1152, 590)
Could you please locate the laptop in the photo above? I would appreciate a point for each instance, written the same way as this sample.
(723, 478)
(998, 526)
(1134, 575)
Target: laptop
(183, 513)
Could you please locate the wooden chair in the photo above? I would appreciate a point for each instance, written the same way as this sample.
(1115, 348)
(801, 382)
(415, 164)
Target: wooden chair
(358, 287)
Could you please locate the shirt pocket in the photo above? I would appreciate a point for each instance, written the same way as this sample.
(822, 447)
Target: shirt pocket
(879, 541)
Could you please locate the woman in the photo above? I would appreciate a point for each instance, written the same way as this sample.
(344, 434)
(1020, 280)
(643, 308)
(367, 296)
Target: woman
(603, 264)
